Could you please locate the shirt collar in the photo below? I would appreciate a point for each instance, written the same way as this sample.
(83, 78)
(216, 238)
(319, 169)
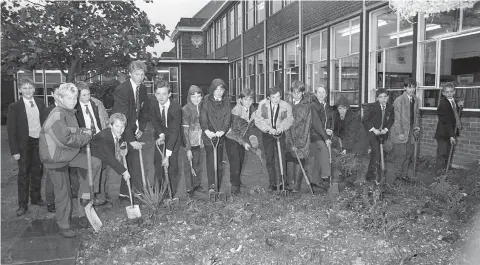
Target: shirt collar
(27, 101)
(166, 105)
(113, 134)
(83, 104)
(133, 84)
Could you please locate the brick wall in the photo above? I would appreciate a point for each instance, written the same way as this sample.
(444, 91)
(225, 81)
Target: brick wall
(221, 52)
(234, 49)
(253, 39)
(283, 24)
(189, 51)
(467, 150)
(201, 75)
(317, 13)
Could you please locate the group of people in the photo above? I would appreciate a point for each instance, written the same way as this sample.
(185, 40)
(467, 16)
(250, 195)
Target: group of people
(289, 135)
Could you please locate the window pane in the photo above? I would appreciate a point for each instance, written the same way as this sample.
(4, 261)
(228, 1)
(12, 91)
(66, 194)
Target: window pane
(442, 23)
(260, 63)
(406, 29)
(386, 30)
(324, 45)
(313, 48)
(379, 68)
(471, 17)
(290, 54)
(260, 87)
(250, 13)
(316, 75)
(231, 27)
(292, 75)
(342, 40)
(275, 6)
(430, 50)
(273, 59)
(250, 65)
(355, 32)
(53, 78)
(239, 18)
(350, 73)
(398, 66)
(260, 11)
(38, 77)
(352, 97)
(173, 74)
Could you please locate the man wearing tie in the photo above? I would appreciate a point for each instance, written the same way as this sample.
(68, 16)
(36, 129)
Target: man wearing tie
(377, 122)
(166, 117)
(130, 99)
(23, 127)
(448, 126)
(87, 111)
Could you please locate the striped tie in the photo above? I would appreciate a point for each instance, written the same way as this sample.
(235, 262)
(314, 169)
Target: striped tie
(458, 123)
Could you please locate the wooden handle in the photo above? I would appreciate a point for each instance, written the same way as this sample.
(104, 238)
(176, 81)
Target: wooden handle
(128, 182)
(89, 170)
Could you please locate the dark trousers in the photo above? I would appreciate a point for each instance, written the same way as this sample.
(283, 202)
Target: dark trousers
(211, 166)
(443, 151)
(172, 170)
(30, 171)
(403, 158)
(194, 181)
(271, 154)
(133, 163)
(236, 156)
(374, 165)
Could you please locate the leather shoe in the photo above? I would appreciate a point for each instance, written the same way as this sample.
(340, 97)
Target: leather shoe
(22, 210)
(67, 233)
(51, 207)
(83, 222)
(39, 203)
(95, 202)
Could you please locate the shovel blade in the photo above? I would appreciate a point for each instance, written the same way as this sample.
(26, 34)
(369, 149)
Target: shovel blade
(133, 212)
(93, 217)
(333, 189)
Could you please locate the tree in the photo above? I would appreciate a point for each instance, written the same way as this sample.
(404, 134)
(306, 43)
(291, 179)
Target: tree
(76, 37)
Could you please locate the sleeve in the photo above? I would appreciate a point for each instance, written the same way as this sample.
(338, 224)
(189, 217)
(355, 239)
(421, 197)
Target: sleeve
(227, 118)
(316, 124)
(398, 113)
(12, 130)
(174, 129)
(203, 117)
(260, 122)
(186, 128)
(329, 118)
(442, 119)
(120, 105)
(144, 115)
(367, 118)
(288, 121)
(101, 151)
(233, 132)
(63, 135)
(391, 118)
(155, 119)
(351, 131)
(102, 112)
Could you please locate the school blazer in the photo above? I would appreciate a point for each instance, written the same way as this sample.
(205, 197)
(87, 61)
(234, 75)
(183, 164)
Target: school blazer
(402, 125)
(446, 120)
(103, 148)
(173, 133)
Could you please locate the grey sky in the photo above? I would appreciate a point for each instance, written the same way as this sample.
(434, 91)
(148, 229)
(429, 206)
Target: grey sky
(169, 12)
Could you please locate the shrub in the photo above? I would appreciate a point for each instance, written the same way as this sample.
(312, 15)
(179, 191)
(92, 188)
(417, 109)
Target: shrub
(104, 91)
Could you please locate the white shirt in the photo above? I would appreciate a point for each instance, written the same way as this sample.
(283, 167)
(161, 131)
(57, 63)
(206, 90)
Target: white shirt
(166, 106)
(452, 103)
(33, 118)
(86, 117)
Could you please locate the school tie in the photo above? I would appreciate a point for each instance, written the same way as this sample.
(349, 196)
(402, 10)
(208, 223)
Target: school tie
(31, 104)
(383, 116)
(248, 115)
(92, 121)
(457, 117)
(117, 148)
(162, 116)
(137, 101)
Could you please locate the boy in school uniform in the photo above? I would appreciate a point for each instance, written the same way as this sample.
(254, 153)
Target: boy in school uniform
(406, 123)
(448, 126)
(377, 121)
(23, 127)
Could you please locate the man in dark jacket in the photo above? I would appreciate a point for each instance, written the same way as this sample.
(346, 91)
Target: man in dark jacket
(346, 128)
(23, 126)
(166, 117)
(215, 121)
(130, 99)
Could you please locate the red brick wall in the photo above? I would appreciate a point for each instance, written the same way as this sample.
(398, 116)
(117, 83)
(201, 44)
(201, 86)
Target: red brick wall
(467, 150)
(283, 24)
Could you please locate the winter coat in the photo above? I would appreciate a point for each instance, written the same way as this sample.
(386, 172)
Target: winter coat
(446, 120)
(402, 125)
(61, 138)
(243, 126)
(325, 117)
(191, 121)
(349, 130)
(263, 116)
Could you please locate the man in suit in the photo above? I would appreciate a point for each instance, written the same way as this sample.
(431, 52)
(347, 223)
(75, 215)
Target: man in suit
(106, 147)
(448, 126)
(23, 127)
(130, 99)
(87, 111)
(377, 122)
(166, 117)
(406, 123)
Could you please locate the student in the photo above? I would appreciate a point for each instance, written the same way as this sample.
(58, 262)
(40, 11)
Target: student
(23, 127)
(346, 128)
(242, 127)
(215, 121)
(305, 121)
(166, 117)
(105, 146)
(406, 123)
(60, 143)
(192, 133)
(87, 111)
(377, 121)
(273, 117)
(448, 126)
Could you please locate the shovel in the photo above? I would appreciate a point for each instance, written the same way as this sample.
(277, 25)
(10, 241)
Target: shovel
(172, 200)
(89, 210)
(133, 211)
(333, 189)
(416, 136)
(283, 192)
(216, 195)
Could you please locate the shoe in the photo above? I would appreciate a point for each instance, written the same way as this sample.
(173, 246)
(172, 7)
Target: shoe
(235, 190)
(39, 203)
(51, 207)
(95, 202)
(22, 210)
(74, 195)
(123, 197)
(287, 187)
(67, 233)
(272, 187)
(83, 222)
(212, 189)
(199, 189)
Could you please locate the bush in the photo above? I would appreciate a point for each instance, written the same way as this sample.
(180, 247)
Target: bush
(104, 91)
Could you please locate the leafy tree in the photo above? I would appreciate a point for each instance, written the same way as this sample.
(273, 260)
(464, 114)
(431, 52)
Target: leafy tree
(76, 37)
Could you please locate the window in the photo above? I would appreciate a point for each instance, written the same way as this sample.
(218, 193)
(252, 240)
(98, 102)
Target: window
(255, 12)
(224, 30)
(218, 34)
(210, 40)
(391, 53)
(277, 5)
(231, 24)
(345, 61)
(235, 82)
(449, 52)
(292, 60)
(260, 11)
(260, 76)
(275, 67)
(250, 73)
(316, 54)
(239, 12)
(169, 74)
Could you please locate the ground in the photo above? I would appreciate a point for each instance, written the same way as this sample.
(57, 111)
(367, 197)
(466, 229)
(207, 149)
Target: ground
(427, 223)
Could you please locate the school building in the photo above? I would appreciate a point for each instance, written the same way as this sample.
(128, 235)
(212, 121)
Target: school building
(351, 47)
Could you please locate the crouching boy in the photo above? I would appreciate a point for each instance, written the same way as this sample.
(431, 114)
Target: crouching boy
(60, 143)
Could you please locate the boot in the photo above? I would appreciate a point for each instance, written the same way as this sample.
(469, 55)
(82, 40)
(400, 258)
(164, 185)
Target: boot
(298, 177)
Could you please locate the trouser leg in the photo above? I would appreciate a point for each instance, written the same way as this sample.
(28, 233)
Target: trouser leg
(34, 170)
(80, 162)
(234, 153)
(133, 163)
(63, 203)
(324, 159)
(269, 145)
(49, 193)
(443, 151)
(22, 181)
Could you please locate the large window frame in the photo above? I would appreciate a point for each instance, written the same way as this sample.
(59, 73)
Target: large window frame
(210, 39)
(260, 76)
(315, 64)
(235, 79)
(432, 47)
(254, 13)
(291, 71)
(277, 5)
(275, 70)
(338, 68)
(231, 24)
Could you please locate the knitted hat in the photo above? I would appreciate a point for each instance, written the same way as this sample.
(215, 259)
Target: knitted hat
(343, 101)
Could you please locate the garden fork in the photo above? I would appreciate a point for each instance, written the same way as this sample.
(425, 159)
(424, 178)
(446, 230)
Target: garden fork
(216, 195)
